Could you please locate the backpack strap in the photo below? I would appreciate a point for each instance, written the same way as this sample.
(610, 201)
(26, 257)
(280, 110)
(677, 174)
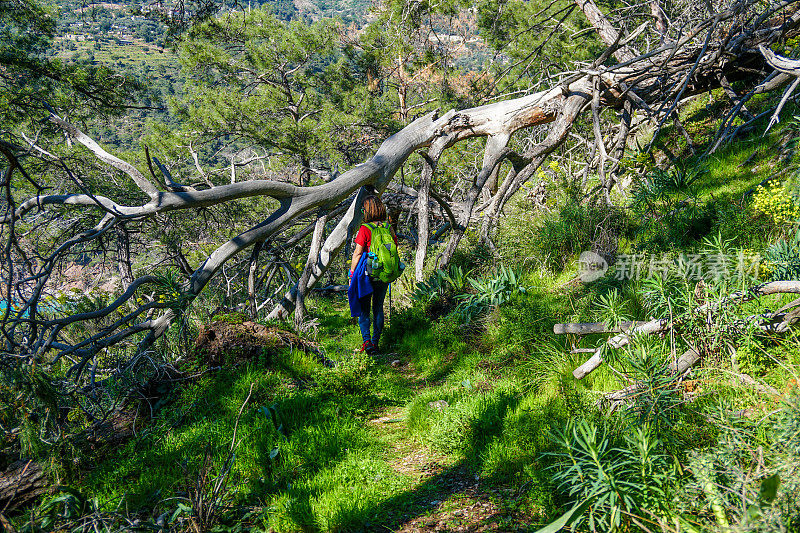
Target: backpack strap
(371, 227)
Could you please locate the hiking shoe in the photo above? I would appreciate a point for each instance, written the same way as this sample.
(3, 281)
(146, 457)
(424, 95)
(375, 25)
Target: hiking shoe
(367, 347)
(372, 349)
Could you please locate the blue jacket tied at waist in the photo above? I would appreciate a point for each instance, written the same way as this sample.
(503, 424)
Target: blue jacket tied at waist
(360, 286)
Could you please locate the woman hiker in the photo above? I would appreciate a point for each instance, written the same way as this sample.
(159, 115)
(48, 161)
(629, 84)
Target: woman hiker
(366, 292)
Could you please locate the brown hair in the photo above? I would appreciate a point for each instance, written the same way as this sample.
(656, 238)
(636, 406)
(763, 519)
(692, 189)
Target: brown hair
(374, 210)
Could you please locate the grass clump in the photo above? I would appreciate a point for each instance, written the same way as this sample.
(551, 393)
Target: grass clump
(352, 374)
(464, 425)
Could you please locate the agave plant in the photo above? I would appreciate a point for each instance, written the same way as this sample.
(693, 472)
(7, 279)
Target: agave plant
(782, 259)
(489, 292)
(441, 282)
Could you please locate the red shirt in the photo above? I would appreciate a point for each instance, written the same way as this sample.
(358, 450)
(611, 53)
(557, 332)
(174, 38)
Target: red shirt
(364, 236)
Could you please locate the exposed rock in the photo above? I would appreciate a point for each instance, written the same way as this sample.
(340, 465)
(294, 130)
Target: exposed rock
(439, 405)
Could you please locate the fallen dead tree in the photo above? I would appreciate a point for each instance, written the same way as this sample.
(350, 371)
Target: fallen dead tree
(588, 328)
(679, 369)
(728, 45)
(775, 322)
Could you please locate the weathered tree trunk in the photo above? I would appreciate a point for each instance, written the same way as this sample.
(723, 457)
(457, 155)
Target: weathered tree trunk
(587, 328)
(251, 279)
(313, 252)
(423, 209)
(124, 256)
(22, 483)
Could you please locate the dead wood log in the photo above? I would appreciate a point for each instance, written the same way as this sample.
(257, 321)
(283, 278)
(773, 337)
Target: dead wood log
(686, 361)
(587, 328)
(663, 324)
(619, 398)
(313, 252)
(22, 483)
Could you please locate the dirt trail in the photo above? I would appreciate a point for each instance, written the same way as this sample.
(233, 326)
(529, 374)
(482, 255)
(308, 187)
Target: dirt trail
(447, 496)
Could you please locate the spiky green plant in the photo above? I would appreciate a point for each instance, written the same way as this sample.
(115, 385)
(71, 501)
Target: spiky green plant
(489, 292)
(625, 481)
(782, 259)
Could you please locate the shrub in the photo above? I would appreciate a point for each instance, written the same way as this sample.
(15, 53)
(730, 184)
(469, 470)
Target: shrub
(435, 295)
(782, 259)
(753, 360)
(749, 480)
(776, 202)
(666, 203)
(621, 481)
(576, 228)
(735, 221)
(490, 292)
(353, 374)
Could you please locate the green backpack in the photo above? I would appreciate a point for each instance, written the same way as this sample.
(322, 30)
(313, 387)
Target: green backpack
(384, 260)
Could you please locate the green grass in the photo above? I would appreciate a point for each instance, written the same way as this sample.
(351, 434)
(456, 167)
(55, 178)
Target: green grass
(323, 449)
(333, 470)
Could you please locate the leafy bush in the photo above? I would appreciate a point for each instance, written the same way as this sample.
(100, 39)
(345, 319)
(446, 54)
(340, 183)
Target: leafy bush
(445, 333)
(753, 359)
(750, 479)
(667, 206)
(665, 294)
(613, 308)
(658, 184)
(776, 202)
(575, 229)
(658, 398)
(734, 220)
(620, 481)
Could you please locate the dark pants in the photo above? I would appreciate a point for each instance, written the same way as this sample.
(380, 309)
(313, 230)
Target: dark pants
(374, 300)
